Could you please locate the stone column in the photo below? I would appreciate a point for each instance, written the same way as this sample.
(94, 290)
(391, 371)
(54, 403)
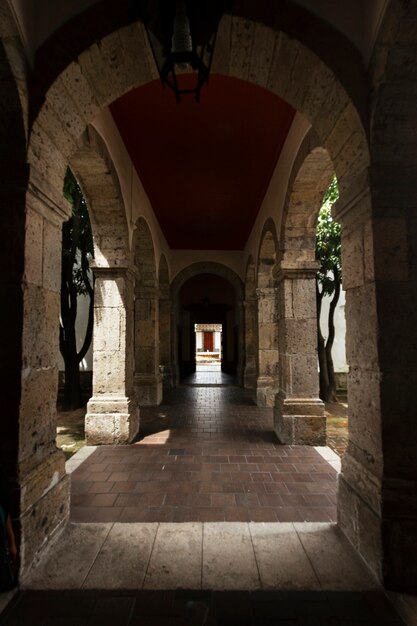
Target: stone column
(165, 356)
(299, 413)
(267, 381)
(377, 499)
(240, 343)
(147, 380)
(42, 486)
(250, 313)
(112, 413)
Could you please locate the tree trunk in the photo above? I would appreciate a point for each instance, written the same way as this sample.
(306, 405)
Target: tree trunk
(73, 398)
(323, 373)
(331, 389)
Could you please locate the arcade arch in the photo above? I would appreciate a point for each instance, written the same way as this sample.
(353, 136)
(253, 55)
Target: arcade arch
(315, 80)
(234, 319)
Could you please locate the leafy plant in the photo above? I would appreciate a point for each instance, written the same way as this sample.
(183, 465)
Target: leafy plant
(328, 283)
(77, 251)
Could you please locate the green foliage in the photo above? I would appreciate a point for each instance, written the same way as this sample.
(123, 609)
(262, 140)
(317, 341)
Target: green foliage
(77, 238)
(328, 243)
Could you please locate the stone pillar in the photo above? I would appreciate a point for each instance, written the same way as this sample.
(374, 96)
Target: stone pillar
(377, 499)
(267, 381)
(299, 413)
(165, 356)
(250, 314)
(112, 413)
(42, 486)
(147, 380)
(240, 343)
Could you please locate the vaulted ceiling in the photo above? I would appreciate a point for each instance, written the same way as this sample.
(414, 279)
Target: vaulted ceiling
(205, 167)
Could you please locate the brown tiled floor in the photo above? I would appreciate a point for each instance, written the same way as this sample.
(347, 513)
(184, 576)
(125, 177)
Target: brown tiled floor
(206, 454)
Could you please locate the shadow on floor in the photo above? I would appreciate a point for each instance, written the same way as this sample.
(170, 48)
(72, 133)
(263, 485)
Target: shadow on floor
(199, 608)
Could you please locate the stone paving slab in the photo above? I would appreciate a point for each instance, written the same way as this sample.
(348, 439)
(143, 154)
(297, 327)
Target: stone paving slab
(222, 556)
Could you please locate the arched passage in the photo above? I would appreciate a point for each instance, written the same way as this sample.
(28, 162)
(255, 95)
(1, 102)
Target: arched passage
(267, 375)
(299, 413)
(148, 384)
(199, 305)
(303, 73)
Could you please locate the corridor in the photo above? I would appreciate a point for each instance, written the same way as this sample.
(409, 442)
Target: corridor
(206, 457)
(206, 454)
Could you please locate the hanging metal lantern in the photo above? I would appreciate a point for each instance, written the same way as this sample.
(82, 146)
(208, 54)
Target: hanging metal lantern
(182, 36)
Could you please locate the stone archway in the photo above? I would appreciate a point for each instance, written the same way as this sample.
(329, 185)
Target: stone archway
(267, 330)
(34, 466)
(251, 327)
(378, 484)
(147, 380)
(165, 308)
(216, 269)
(112, 412)
(299, 413)
(305, 75)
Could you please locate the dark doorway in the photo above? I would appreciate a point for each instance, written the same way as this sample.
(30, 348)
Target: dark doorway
(208, 302)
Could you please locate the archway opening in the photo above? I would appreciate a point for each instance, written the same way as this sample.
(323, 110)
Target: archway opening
(208, 333)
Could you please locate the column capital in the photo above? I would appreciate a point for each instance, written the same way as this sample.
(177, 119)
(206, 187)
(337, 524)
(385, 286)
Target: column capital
(114, 271)
(307, 270)
(266, 292)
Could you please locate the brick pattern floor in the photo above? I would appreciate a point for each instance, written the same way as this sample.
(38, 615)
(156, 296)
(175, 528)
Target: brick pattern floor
(206, 454)
(204, 608)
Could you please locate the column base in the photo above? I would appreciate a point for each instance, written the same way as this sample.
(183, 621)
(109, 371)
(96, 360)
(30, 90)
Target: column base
(166, 376)
(357, 518)
(265, 391)
(300, 421)
(148, 389)
(379, 517)
(44, 505)
(249, 377)
(111, 420)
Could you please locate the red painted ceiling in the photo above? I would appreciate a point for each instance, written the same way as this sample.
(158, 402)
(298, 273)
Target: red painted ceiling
(205, 166)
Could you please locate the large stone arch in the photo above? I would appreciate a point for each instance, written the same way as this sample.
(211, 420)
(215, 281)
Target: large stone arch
(378, 488)
(303, 75)
(218, 269)
(310, 177)
(95, 172)
(267, 330)
(308, 74)
(34, 466)
(112, 413)
(148, 384)
(299, 414)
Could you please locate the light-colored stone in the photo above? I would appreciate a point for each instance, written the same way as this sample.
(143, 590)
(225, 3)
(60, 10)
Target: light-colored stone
(333, 559)
(33, 248)
(176, 557)
(67, 564)
(123, 558)
(281, 558)
(111, 420)
(228, 557)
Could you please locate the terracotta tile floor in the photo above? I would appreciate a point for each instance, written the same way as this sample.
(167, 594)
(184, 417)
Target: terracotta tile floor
(206, 454)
